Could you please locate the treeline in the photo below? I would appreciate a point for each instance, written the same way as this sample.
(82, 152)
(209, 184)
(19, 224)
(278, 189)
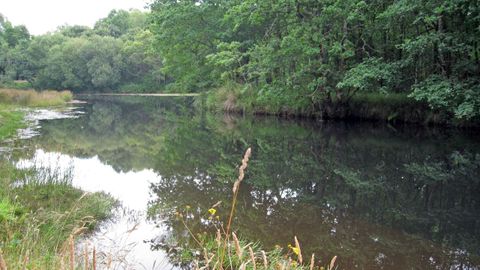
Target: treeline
(303, 54)
(299, 56)
(115, 55)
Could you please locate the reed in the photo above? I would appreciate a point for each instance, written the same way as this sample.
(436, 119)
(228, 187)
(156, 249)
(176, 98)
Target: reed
(3, 264)
(299, 250)
(35, 98)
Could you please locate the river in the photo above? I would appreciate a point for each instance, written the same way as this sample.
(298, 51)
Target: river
(378, 196)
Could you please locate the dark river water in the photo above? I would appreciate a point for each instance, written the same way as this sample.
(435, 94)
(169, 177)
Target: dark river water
(375, 195)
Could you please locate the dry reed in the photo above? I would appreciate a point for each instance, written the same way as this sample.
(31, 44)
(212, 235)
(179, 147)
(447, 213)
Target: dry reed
(35, 98)
(3, 264)
(297, 245)
(94, 258)
(252, 257)
(236, 186)
(265, 260)
(332, 262)
(238, 248)
(72, 252)
(312, 262)
(85, 257)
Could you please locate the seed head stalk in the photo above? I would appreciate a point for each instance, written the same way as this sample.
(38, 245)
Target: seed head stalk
(236, 187)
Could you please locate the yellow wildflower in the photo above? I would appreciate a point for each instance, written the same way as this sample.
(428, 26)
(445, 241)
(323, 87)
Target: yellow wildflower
(212, 211)
(295, 250)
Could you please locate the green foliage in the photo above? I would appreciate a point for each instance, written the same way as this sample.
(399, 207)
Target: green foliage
(371, 75)
(300, 54)
(186, 54)
(288, 56)
(121, 22)
(117, 51)
(7, 211)
(460, 98)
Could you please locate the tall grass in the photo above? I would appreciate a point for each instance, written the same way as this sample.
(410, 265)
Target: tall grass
(10, 122)
(225, 250)
(40, 213)
(35, 98)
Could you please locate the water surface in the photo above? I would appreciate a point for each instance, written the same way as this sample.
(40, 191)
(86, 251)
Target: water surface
(377, 196)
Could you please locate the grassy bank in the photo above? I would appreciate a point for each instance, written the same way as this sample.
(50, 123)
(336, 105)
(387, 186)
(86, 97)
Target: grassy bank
(34, 98)
(10, 121)
(39, 212)
(363, 106)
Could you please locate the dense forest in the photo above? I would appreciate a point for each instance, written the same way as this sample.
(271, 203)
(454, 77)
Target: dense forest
(293, 55)
(115, 55)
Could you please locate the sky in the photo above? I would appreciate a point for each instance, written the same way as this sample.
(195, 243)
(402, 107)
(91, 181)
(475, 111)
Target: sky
(42, 16)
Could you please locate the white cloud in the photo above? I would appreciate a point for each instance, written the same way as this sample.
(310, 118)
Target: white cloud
(41, 16)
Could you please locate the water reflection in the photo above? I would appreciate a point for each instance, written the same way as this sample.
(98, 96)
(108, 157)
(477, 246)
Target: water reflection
(120, 243)
(379, 197)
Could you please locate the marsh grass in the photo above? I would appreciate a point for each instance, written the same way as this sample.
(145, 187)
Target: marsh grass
(40, 213)
(10, 121)
(225, 250)
(34, 98)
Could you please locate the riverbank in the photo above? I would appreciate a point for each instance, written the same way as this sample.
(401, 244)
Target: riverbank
(11, 100)
(10, 121)
(41, 213)
(391, 108)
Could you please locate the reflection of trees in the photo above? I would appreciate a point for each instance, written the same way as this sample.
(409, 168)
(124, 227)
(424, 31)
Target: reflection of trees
(326, 186)
(124, 133)
(343, 189)
(274, 216)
